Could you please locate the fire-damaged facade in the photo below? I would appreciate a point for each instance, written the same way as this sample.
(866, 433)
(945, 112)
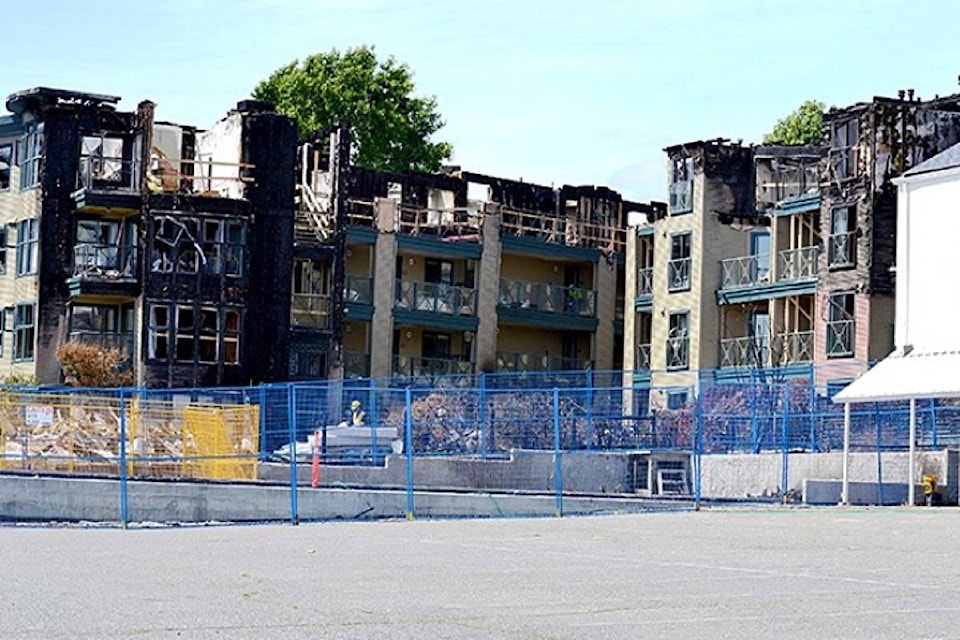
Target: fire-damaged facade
(451, 273)
(778, 257)
(170, 243)
(240, 254)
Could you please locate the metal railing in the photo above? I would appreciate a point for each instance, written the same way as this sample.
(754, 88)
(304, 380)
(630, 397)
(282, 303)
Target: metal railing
(427, 368)
(104, 262)
(744, 271)
(551, 298)
(436, 297)
(798, 264)
(750, 351)
(359, 289)
(840, 249)
(108, 174)
(202, 176)
(310, 310)
(678, 274)
(123, 342)
(678, 352)
(840, 336)
(643, 357)
(356, 364)
(519, 361)
(795, 347)
(645, 281)
(681, 197)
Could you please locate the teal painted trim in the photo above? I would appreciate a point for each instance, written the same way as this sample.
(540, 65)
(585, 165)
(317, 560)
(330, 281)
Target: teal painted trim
(438, 247)
(359, 312)
(545, 319)
(534, 247)
(618, 326)
(751, 374)
(434, 320)
(800, 204)
(766, 292)
(11, 127)
(641, 376)
(643, 303)
(644, 231)
(360, 235)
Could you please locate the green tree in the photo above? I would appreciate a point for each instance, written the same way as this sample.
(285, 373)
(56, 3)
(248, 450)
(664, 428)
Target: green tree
(392, 127)
(803, 126)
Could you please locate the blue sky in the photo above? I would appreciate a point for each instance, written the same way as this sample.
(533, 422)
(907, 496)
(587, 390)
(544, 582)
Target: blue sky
(562, 91)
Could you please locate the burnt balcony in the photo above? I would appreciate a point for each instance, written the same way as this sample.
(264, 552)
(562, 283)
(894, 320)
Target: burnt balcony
(545, 304)
(425, 369)
(121, 341)
(108, 184)
(310, 311)
(522, 362)
(102, 269)
(749, 278)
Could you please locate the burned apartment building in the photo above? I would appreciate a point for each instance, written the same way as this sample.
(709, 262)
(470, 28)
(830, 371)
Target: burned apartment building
(171, 243)
(239, 254)
(777, 257)
(451, 273)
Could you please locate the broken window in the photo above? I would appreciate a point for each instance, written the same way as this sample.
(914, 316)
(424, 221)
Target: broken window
(30, 153)
(191, 245)
(681, 185)
(310, 304)
(231, 337)
(28, 246)
(842, 241)
(24, 332)
(6, 162)
(159, 332)
(101, 161)
(3, 250)
(105, 248)
(197, 334)
(843, 148)
(103, 325)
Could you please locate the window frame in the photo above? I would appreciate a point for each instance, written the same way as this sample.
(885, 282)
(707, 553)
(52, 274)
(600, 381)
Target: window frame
(838, 313)
(683, 314)
(28, 247)
(24, 350)
(673, 263)
(850, 260)
(9, 160)
(30, 156)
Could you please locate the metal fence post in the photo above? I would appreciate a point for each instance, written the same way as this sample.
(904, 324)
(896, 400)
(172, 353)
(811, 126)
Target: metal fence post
(482, 392)
(589, 399)
(372, 421)
(124, 515)
(263, 424)
(698, 445)
(408, 448)
(878, 422)
(292, 426)
(934, 439)
(557, 455)
(785, 444)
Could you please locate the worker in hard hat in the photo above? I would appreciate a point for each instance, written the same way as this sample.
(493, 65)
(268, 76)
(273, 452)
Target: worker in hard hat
(357, 414)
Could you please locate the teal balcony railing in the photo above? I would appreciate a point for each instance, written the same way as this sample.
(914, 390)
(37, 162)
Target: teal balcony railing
(417, 367)
(436, 297)
(550, 298)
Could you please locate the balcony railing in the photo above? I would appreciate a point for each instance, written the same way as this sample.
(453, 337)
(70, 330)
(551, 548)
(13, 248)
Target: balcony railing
(310, 310)
(522, 362)
(678, 352)
(356, 364)
(104, 262)
(798, 264)
(795, 347)
(645, 281)
(751, 351)
(120, 341)
(681, 197)
(840, 249)
(417, 367)
(551, 298)
(359, 290)
(643, 357)
(840, 334)
(108, 174)
(436, 297)
(678, 274)
(745, 271)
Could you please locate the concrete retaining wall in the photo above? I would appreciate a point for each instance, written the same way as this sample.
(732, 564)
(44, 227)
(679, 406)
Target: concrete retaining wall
(32, 498)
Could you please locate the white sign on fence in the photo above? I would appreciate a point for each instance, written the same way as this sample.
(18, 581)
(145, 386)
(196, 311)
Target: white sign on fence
(39, 416)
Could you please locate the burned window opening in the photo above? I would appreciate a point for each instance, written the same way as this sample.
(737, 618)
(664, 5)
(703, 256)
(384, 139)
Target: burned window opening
(201, 335)
(29, 155)
(194, 245)
(105, 249)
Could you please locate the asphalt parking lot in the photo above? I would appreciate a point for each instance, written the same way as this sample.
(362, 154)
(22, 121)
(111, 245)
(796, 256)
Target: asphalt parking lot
(734, 573)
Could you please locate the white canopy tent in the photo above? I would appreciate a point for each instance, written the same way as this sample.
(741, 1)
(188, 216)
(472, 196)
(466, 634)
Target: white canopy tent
(903, 375)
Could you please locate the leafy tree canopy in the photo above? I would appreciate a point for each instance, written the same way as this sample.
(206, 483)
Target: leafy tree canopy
(392, 127)
(803, 126)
